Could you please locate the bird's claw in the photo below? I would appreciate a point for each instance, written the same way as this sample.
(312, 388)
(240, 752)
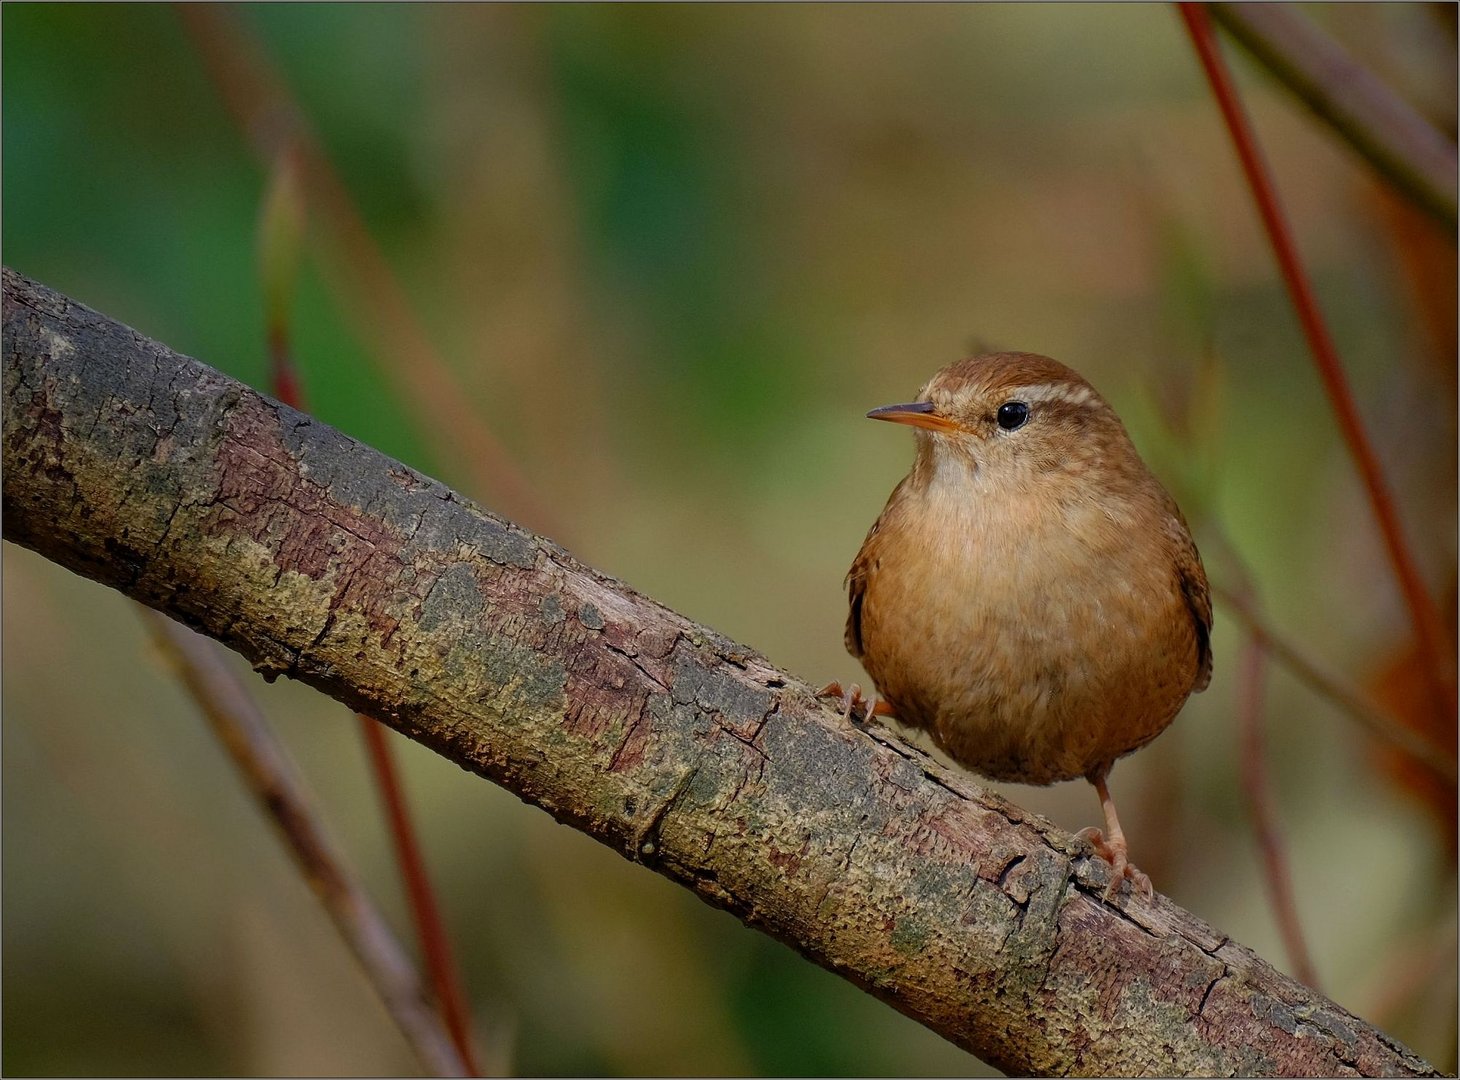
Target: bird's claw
(1121, 868)
(856, 709)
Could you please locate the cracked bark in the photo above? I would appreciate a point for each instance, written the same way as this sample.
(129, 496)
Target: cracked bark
(317, 557)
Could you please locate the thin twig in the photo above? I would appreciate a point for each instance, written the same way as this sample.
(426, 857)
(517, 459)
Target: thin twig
(1414, 966)
(1326, 684)
(1392, 136)
(1253, 770)
(288, 388)
(261, 104)
(1423, 613)
(425, 911)
(271, 778)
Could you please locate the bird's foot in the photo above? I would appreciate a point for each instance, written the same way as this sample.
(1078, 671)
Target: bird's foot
(856, 709)
(1121, 868)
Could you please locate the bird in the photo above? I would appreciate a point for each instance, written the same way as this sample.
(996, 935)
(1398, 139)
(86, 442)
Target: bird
(1030, 596)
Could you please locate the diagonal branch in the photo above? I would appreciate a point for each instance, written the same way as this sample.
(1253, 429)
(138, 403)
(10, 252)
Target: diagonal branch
(1392, 136)
(317, 557)
(1323, 682)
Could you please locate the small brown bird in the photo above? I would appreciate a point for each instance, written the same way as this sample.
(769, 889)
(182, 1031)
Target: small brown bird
(1030, 595)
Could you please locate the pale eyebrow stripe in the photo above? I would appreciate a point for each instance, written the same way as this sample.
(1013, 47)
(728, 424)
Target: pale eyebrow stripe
(1067, 393)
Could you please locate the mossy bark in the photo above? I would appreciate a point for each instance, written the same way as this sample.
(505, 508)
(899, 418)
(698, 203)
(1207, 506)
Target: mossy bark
(319, 558)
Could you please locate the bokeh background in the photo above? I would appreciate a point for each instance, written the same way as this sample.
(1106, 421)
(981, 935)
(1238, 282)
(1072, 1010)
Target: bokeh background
(670, 256)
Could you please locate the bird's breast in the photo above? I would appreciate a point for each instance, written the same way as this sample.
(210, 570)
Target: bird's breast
(1018, 631)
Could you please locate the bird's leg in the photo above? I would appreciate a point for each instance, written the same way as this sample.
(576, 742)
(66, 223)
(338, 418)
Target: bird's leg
(851, 701)
(1111, 845)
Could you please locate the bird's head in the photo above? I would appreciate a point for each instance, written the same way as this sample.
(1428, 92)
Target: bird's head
(1011, 417)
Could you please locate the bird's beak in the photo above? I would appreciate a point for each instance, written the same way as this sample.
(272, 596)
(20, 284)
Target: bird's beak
(916, 414)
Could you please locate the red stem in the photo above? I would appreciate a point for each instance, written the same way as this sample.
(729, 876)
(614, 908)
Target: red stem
(282, 380)
(425, 912)
(1252, 762)
(427, 915)
(1423, 613)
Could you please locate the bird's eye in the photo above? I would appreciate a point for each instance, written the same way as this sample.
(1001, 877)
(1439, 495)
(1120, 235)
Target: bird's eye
(1013, 414)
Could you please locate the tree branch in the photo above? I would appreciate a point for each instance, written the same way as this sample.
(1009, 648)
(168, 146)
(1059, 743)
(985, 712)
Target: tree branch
(319, 558)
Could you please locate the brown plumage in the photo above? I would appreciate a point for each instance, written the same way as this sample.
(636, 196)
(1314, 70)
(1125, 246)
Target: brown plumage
(1030, 595)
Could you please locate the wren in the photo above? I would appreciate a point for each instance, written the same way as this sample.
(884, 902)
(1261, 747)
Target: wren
(1030, 596)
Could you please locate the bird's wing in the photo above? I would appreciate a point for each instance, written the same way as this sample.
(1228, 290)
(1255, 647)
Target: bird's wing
(1194, 588)
(856, 589)
(862, 566)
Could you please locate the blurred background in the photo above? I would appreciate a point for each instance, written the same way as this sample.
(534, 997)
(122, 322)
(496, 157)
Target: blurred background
(668, 257)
